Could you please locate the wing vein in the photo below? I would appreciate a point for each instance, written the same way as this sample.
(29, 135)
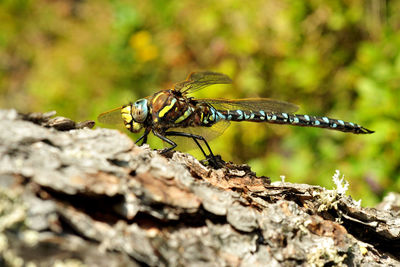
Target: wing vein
(251, 104)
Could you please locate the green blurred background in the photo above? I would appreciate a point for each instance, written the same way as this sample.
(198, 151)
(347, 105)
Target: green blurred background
(336, 58)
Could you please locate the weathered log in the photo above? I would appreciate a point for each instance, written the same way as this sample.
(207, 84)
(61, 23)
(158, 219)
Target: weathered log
(73, 194)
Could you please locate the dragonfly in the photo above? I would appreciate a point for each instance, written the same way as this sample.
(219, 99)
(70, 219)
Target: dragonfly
(173, 113)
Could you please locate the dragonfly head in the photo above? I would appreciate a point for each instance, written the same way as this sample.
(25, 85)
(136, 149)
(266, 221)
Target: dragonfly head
(134, 115)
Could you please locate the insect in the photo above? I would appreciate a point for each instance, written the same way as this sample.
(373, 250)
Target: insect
(172, 113)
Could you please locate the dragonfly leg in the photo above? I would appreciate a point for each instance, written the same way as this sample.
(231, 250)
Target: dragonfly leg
(211, 158)
(201, 148)
(169, 141)
(144, 137)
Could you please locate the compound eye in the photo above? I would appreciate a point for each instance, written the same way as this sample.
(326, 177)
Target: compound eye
(140, 110)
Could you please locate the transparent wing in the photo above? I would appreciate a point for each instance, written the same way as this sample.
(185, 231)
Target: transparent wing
(251, 104)
(209, 133)
(199, 80)
(111, 117)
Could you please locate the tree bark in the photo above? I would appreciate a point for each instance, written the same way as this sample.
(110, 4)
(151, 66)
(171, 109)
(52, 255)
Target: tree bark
(70, 194)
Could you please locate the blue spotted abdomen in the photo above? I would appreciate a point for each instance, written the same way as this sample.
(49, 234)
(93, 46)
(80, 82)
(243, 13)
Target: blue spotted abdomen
(293, 119)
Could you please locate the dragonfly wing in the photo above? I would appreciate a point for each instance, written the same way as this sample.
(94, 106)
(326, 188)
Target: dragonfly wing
(199, 80)
(251, 104)
(209, 133)
(111, 117)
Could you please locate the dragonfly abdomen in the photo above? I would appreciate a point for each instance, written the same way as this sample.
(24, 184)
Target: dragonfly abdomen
(294, 119)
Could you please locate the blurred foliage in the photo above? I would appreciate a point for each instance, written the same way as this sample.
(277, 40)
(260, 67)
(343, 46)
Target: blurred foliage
(336, 58)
